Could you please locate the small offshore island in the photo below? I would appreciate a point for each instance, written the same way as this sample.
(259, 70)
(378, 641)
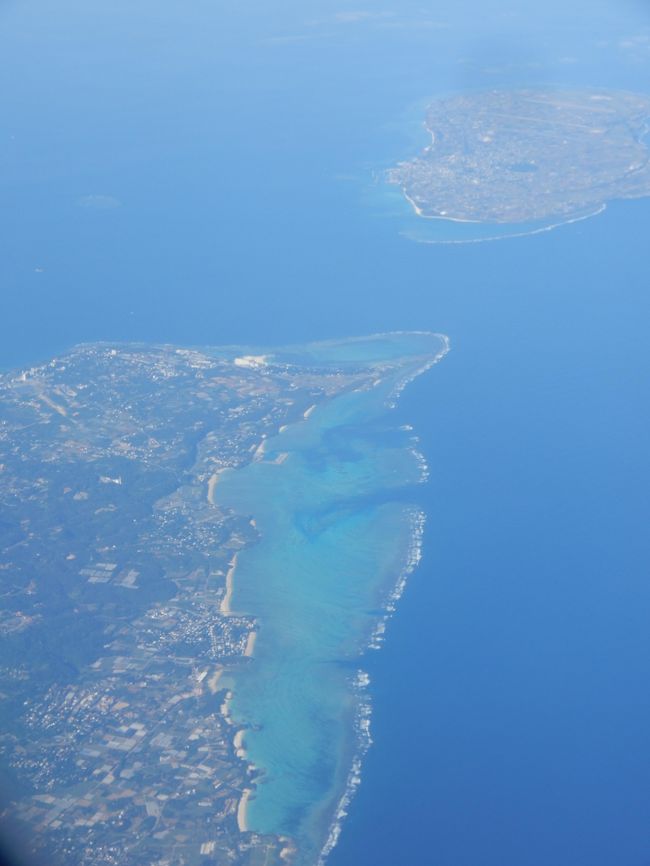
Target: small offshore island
(198, 545)
(526, 156)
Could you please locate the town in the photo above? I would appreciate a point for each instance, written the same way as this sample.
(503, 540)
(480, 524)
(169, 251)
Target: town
(118, 741)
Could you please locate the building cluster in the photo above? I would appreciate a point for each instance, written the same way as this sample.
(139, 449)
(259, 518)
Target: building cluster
(117, 652)
(520, 156)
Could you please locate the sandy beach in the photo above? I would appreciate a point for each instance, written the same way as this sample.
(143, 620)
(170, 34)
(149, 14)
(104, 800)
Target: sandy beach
(212, 484)
(441, 216)
(224, 709)
(213, 682)
(241, 810)
(308, 412)
(225, 603)
(250, 644)
(238, 742)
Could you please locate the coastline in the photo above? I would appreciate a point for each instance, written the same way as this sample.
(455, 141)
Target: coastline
(242, 810)
(225, 608)
(212, 486)
(238, 742)
(259, 450)
(249, 652)
(418, 210)
(319, 832)
(359, 684)
(240, 752)
(504, 237)
(570, 220)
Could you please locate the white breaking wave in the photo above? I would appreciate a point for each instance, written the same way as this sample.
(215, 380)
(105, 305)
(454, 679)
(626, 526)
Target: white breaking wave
(361, 682)
(364, 741)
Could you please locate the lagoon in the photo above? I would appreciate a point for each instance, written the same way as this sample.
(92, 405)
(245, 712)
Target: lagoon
(331, 499)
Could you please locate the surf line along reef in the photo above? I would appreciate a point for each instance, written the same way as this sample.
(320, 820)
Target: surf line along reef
(201, 545)
(337, 537)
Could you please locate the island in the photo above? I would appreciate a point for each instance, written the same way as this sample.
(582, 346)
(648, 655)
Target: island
(154, 625)
(527, 156)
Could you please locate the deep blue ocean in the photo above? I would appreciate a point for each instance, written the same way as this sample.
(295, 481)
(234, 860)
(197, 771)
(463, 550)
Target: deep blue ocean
(207, 174)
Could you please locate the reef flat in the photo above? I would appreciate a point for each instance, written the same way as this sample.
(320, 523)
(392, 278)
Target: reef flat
(338, 534)
(524, 156)
(197, 546)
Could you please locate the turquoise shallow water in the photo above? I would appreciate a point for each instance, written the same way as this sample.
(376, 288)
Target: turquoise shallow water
(337, 534)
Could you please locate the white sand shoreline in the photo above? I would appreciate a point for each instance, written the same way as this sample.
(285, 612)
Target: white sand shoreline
(225, 608)
(242, 810)
(212, 485)
(249, 652)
